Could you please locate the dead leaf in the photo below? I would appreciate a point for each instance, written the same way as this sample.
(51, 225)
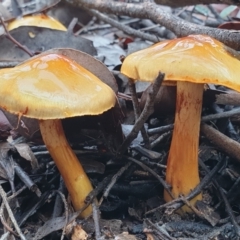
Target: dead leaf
(44, 39)
(25, 151)
(6, 8)
(78, 233)
(150, 236)
(125, 236)
(5, 126)
(53, 225)
(109, 51)
(6, 166)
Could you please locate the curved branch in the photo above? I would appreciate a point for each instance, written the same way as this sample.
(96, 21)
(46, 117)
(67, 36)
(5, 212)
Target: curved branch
(150, 10)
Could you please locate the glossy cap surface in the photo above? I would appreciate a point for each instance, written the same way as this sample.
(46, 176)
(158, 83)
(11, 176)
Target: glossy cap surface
(40, 20)
(196, 58)
(52, 86)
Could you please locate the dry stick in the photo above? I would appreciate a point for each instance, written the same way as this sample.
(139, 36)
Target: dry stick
(210, 117)
(23, 176)
(137, 111)
(221, 115)
(17, 193)
(58, 204)
(148, 169)
(177, 203)
(161, 129)
(226, 202)
(96, 219)
(71, 26)
(9, 36)
(161, 233)
(150, 10)
(113, 181)
(226, 144)
(10, 213)
(66, 211)
(3, 221)
(160, 139)
(124, 28)
(147, 111)
(231, 98)
(100, 187)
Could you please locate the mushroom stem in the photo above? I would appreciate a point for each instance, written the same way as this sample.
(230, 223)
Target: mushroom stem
(75, 178)
(182, 166)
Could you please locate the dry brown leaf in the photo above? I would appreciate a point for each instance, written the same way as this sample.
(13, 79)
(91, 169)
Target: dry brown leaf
(79, 233)
(150, 236)
(125, 236)
(25, 151)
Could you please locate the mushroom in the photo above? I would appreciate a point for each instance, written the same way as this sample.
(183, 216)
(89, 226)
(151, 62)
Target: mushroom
(191, 61)
(39, 20)
(51, 87)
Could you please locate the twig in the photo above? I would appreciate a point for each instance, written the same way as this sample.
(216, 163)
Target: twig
(225, 200)
(226, 144)
(71, 26)
(148, 169)
(124, 28)
(150, 10)
(96, 220)
(161, 129)
(9, 36)
(17, 193)
(162, 234)
(10, 213)
(160, 139)
(66, 211)
(216, 116)
(147, 111)
(137, 111)
(113, 181)
(58, 205)
(177, 203)
(100, 187)
(26, 180)
(3, 221)
(207, 118)
(229, 98)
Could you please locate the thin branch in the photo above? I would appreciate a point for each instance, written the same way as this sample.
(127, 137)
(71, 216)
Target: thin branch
(177, 203)
(113, 181)
(150, 10)
(146, 168)
(9, 36)
(137, 110)
(125, 28)
(223, 142)
(147, 111)
(225, 200)
(10, 213)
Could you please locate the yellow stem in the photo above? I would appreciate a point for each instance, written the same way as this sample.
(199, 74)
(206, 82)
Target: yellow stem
(182, 165)
(74, 176)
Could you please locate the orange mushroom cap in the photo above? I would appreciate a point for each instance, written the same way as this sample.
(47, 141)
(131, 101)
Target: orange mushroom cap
(39, 20)
(192, 61)
(53, 87)
(195, 58)
(50, 87)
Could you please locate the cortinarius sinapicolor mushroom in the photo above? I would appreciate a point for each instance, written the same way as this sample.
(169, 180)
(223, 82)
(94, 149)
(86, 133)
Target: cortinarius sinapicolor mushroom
(49, 88)
(39, 20)
(191, 61)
